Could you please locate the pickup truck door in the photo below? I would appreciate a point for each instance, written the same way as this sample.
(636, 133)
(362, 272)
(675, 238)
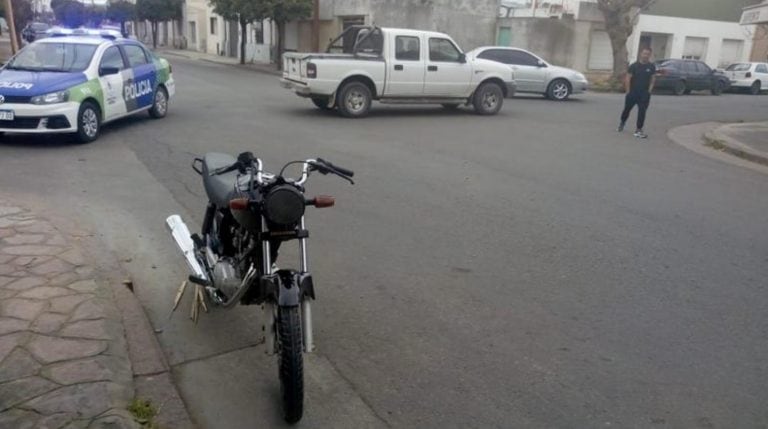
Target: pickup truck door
(447, 75)
(406, 67)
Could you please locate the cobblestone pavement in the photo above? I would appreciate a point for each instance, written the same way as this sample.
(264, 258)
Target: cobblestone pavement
(63, 356)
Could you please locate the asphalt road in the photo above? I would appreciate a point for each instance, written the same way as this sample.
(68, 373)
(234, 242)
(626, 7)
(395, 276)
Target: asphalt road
(532, 269)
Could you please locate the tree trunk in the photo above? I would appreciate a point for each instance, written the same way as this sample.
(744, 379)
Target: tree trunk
(243, 39)
(619, 26)
(154, 34)
(280, 45)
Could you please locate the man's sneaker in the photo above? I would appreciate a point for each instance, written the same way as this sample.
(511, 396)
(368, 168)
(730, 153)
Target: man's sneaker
(640, 134)
(621, 127)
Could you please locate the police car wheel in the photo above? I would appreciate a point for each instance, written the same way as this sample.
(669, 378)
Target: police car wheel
(88, 122)
(160, 106)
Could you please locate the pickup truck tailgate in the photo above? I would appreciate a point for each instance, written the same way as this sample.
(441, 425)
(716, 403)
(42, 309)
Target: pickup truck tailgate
(294, 66)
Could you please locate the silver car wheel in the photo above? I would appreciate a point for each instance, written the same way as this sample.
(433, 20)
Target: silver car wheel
(161, 102)
(90, 123)
(560, 90)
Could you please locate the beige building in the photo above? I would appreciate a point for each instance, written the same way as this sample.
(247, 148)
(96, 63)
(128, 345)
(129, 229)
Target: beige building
(205, 31)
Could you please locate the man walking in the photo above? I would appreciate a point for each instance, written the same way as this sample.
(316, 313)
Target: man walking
(638, 85)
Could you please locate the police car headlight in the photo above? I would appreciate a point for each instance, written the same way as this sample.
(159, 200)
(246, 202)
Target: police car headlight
(54, 97)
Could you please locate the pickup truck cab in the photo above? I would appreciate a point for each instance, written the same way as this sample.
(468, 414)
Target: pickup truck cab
(396, 66)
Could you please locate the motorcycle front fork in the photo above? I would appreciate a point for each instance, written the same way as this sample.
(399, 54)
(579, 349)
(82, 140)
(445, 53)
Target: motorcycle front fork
(270, 308)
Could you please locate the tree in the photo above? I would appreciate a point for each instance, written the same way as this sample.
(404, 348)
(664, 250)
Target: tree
(157, 11)
(619, 22)
(22, 14)
(121, 11)
(283, 11)
(70, 13)
(244, 12)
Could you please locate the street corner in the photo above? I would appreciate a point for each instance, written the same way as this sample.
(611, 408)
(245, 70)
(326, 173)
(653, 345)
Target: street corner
(62, 347)
(741, 144)
(746, 140)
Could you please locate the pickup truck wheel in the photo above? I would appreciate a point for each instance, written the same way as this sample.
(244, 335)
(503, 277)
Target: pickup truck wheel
(488, 99)
(354, 100)
(321, 103)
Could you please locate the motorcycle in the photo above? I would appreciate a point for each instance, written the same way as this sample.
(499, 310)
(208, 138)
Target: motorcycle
(250, 213)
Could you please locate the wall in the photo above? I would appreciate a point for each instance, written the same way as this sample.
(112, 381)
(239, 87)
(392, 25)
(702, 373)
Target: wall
(760, 44)
(471, 23)
(680, 28)
(717, 10)
(562, 42)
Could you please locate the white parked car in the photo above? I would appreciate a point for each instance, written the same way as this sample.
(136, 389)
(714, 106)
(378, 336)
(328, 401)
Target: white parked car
(396, 66)
(750, 76)
(533, 74)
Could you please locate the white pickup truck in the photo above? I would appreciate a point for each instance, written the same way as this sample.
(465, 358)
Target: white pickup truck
(396, 66)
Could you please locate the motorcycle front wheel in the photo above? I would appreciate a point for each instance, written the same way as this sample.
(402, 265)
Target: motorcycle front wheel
(290, 363)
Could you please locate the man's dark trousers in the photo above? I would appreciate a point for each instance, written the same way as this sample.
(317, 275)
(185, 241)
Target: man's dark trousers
(641, 98)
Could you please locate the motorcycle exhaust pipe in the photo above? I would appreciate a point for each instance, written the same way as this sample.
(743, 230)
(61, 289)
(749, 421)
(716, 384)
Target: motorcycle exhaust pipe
(183, 238)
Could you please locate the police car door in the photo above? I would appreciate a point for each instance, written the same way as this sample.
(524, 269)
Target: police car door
(111, 69)
(138, 92)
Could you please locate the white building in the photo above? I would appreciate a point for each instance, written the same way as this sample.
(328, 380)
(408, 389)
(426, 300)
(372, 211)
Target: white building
(717, 43)
(574, 32)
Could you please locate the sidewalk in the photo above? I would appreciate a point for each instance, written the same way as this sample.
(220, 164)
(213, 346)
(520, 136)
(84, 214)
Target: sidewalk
(218, 59)
(74, 343)
(748, 141)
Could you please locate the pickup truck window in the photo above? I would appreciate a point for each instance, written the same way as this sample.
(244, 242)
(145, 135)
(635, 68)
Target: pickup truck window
(407, 48)
(369, 42)
(443, 50)
(761, 68)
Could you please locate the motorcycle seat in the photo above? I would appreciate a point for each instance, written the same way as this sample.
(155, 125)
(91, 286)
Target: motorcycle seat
(220, 188)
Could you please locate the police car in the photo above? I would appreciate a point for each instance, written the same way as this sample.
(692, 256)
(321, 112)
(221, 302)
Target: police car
(76, 80)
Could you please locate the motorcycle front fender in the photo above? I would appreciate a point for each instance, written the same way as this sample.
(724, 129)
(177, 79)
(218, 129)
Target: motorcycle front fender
(286, 288)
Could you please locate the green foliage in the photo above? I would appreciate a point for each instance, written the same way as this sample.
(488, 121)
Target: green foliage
(242, 11)
(158, 10)
(121, 11)
(283, 11)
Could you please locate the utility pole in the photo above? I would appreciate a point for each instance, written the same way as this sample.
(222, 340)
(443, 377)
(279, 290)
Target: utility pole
(316, 26)
(11, 26)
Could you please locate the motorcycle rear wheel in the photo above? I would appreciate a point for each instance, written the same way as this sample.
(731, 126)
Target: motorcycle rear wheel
(290, 362)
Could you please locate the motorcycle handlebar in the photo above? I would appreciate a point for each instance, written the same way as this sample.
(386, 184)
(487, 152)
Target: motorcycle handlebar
(341, 170)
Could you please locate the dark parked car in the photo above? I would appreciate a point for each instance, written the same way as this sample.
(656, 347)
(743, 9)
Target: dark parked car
(34, 31)
(684, 76)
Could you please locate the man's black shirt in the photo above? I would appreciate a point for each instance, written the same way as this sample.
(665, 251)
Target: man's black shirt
(641, 76)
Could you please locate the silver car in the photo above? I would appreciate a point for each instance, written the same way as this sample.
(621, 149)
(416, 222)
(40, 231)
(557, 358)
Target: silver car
(533, 74)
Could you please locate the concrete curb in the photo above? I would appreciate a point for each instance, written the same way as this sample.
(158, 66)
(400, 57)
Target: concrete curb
(214, 60)
(719, 139)
(691, 137)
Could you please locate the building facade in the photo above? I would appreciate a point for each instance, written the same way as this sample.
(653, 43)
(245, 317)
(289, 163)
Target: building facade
(572, 33)
(205, 31)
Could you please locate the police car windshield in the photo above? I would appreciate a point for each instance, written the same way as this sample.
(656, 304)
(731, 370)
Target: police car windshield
(53, 57)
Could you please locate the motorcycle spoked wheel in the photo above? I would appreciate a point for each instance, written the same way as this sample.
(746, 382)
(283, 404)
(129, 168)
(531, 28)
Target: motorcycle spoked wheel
(290, 363)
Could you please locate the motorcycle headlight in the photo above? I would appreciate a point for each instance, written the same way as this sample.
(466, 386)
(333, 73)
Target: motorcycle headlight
(52, 98)
(284, 205)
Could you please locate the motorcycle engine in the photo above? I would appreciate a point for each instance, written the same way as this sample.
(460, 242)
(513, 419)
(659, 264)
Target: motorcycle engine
(225, 277)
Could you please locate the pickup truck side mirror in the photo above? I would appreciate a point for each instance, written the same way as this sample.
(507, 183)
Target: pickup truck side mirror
(463, 58)
(541, 64)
